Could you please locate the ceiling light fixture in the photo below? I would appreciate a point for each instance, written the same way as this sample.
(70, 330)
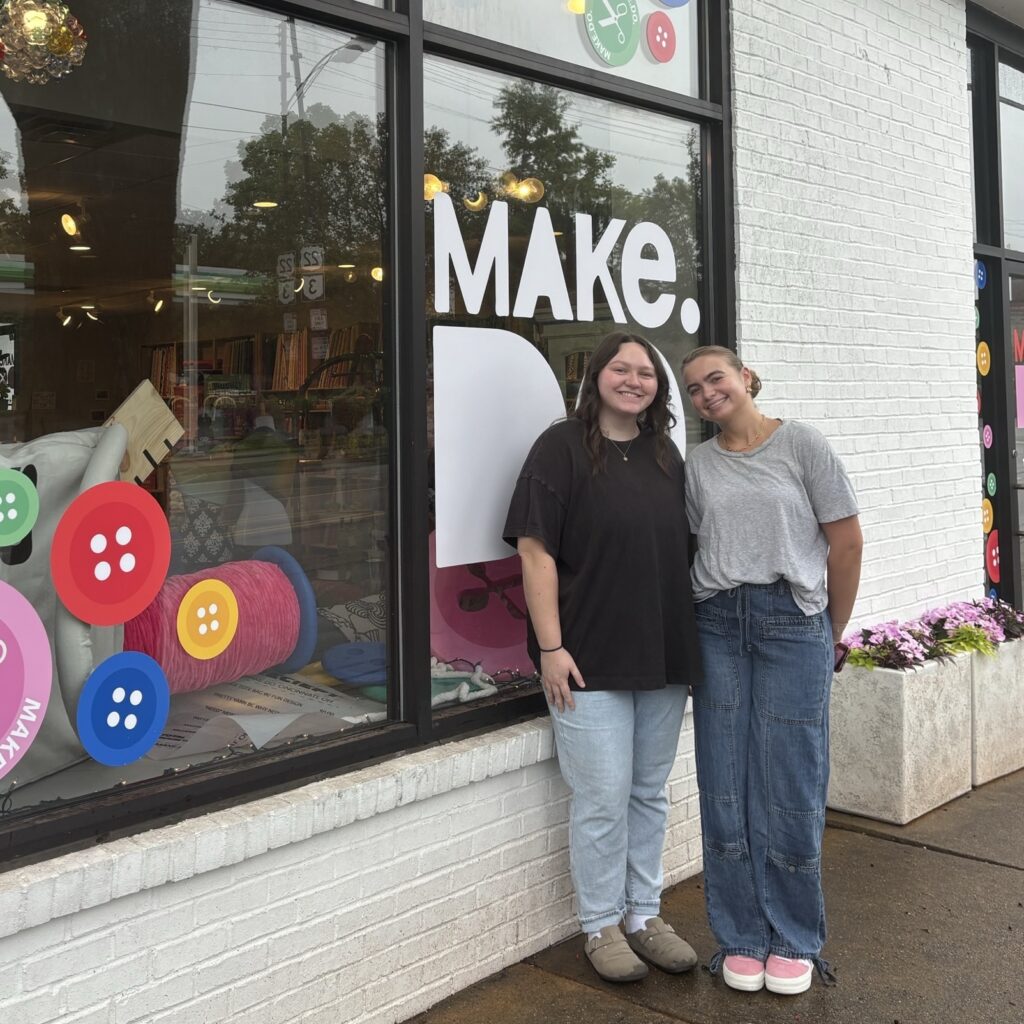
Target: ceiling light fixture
(69, 224)
(215, 302)
(88, 305)
(42, 40)
(91, 315)
(346, 266)
(302, 284)
(80, 248)
(156, 303)
(377, 273)
(265, 204)
(63, 317)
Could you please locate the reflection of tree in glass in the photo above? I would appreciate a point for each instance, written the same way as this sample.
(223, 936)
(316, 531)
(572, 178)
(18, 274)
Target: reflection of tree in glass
(13, 220)
(674, 204)
(329, 177)
(540, 142)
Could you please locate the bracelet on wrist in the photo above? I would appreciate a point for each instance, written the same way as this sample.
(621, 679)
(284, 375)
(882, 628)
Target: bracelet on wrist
(549, 650)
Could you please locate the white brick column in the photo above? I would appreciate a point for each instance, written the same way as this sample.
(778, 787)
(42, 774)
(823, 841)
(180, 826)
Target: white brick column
(854, 274)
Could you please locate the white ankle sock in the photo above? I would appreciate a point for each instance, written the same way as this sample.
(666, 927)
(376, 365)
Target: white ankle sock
(636, 922)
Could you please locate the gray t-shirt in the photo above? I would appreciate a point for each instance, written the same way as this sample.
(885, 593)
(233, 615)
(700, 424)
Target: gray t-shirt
(757, 514)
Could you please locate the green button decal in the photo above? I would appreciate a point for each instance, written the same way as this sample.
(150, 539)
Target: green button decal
(614, 29)
(991, 485)
(19, 507)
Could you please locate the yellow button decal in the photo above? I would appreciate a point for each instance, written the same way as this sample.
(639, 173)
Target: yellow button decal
(984, 358)
(207, 619)
(987, 514)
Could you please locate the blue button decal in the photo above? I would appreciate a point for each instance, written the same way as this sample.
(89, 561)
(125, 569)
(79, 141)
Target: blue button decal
(993, 593)
(980, 274)
(123, 708)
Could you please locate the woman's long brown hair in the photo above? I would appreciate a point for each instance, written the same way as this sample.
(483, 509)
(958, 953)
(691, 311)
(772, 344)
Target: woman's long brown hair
(657, 417)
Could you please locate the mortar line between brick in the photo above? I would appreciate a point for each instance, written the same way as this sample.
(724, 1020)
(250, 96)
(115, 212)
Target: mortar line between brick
(920, 845)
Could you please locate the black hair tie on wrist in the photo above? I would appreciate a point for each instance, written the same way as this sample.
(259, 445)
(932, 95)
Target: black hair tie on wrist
(549, 650)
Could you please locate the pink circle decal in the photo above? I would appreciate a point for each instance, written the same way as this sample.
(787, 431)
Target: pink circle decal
(26, 672)
(986, 436)
(661, 37)
(478, 612)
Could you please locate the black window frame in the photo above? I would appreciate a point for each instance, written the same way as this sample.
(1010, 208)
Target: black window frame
(50, 830)
(991, 40)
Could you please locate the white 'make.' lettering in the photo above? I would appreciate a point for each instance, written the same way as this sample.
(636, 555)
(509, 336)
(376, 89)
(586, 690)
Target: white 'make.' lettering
(20, 731)
(543, 274)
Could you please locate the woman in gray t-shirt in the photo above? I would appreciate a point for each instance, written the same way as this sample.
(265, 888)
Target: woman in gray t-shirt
(775, 577)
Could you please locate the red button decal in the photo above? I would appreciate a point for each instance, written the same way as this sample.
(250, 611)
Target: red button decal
(110, 554)
(992, 556)
(661, 37)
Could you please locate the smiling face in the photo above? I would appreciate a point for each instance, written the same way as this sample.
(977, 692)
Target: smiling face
(628, 383)
(718, 391)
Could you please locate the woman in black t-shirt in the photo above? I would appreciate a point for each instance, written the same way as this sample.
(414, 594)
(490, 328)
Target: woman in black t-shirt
(598, 517)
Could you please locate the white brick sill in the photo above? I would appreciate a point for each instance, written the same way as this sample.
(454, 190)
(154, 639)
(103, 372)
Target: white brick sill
(39, 893)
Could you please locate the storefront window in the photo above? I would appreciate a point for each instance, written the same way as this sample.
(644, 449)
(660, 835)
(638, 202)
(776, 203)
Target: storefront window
(553, 219)
(192, 298)
(626, 38)
(1011, 132)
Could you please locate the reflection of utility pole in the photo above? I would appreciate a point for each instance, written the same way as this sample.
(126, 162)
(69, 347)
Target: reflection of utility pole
(298, 70)
(190, 345)
(283, 46)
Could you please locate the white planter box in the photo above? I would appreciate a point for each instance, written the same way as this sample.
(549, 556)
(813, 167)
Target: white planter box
(900, 741)
(997, 712)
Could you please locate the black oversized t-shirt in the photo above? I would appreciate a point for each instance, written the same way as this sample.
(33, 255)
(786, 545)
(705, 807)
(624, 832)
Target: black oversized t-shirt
(620, 541)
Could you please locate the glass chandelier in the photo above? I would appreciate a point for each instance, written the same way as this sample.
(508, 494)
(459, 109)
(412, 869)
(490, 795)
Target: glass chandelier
(39, 40)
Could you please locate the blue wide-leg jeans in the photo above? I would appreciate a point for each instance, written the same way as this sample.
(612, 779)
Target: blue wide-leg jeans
(761, 736)
(615, 752)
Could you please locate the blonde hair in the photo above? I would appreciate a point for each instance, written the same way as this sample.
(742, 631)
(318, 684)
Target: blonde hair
(729, 357)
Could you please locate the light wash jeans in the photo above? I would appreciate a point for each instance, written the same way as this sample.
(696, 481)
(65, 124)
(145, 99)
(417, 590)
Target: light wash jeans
(615, 751)
(761, 733)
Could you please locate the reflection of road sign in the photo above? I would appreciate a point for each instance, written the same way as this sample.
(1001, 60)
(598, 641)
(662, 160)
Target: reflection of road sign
(286, 264)
(291, 322)
(613, 27)
(311, 256)
(285, 291)
(318, 319)
(313, 288)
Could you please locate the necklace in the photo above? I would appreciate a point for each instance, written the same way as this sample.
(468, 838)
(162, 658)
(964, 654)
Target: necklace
(749, 444)
(624, 454)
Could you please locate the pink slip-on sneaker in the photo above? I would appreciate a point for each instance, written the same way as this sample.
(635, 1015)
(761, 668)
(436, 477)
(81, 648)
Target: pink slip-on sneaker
(787, 977)
(743, 973)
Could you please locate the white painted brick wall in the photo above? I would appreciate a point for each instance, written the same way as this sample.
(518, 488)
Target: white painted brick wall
(363, 898)
(855, 294)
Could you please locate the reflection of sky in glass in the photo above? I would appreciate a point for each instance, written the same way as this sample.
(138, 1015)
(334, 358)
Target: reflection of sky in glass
(550, 28)
(462, 100)
(247, 66)
(1011, 83)
(1011, 130)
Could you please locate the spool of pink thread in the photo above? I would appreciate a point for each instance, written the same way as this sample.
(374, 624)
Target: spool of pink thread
(268, 632)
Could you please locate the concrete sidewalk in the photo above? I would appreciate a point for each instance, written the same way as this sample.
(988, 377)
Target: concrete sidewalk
(926, 927)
